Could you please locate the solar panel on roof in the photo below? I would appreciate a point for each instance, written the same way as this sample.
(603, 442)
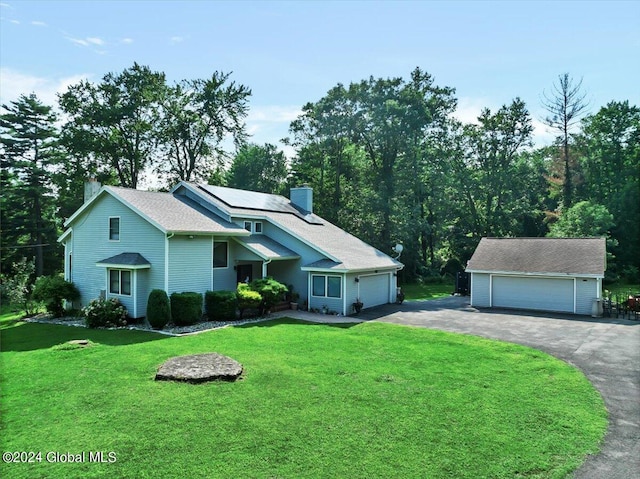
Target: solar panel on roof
(257, 201)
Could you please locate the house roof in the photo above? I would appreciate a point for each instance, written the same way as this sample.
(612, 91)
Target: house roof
(131, 260)
(565, 256)
(266, 248)
(169, 213)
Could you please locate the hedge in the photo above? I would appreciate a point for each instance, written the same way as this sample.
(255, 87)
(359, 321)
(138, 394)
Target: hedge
(186, 308)
(220, 305)
(158, 309)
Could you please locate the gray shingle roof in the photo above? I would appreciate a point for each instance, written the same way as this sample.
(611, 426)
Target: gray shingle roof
(579, 256)
(126, 259)
(267, 248)
(345, 250)
(175, 213)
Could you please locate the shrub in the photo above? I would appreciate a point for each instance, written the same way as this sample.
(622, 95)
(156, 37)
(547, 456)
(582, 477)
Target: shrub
(54, 290)
(271, 291)
(16, 289)
(105, 313)
(186, 308)
(220, 305)
(247, 298)
(158, 309)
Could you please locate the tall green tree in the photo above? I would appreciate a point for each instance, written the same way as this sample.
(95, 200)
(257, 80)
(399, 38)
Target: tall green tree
(29, 152)
(566, 105)
(386, 120)
(609, 145)
(491, 173)
(197, 117)
(114, 125)
(259, 168)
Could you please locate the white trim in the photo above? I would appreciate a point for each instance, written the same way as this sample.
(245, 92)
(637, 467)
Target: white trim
(123, 266)
(550, 274)
(326, 285)
(120, 270)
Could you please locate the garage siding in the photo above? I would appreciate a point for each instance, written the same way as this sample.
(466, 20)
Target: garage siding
(480, 288)
(549, 294)
(586, 292)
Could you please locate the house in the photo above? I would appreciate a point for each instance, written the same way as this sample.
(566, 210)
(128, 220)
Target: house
(547, 274)
(123, 243)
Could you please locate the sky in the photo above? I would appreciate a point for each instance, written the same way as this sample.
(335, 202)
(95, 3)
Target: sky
(292, 53)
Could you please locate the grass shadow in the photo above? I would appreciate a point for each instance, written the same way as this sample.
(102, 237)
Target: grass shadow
(21, 336)
(269, 323)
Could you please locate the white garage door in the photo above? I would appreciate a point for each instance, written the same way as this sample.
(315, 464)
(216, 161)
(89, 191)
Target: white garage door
(374, 290)
(547, 294)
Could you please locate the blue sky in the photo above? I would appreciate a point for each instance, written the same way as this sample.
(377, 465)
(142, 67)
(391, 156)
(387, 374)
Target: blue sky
(290, 53)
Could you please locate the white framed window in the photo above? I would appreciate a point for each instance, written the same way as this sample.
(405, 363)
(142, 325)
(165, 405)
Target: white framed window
(220, 254)
(114, 228)
(120, 282)
(257, 227)
(324, 286)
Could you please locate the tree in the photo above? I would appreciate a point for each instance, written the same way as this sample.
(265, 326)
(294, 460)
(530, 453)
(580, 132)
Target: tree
(29, 153)
(609, 147)
(114, 124)
(259, 168)
(566, 104)
(582, 220)
(492, 173)
(198, 115)
(383, 121)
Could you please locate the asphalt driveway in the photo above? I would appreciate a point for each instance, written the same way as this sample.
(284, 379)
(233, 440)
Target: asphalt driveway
(606, 350)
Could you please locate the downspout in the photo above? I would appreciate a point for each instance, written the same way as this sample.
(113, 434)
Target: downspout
(166, 261)
(264, 267)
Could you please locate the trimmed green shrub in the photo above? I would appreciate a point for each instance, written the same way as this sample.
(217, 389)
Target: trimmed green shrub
(220, 305)
(186, 308)
(272, 292)
(105, 313)
(247, 298)
(53, 290)
(158, 309)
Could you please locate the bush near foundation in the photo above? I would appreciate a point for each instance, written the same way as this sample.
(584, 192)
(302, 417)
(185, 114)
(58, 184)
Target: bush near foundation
(158, 309)
(186, 308)
(220, 305)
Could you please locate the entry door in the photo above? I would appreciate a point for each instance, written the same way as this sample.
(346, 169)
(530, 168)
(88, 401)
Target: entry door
(244, 273)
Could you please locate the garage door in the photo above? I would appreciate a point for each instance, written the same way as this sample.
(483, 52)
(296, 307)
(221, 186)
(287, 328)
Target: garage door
(547, 294)
(374, 290)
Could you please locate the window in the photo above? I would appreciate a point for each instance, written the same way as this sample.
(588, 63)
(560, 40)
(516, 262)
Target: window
(220, 254)
(257, 227)
(114, 229)
(120, 282)
(326, 286)
(247, 226)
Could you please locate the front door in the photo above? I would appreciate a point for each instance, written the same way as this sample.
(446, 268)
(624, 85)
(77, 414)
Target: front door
(244, 273)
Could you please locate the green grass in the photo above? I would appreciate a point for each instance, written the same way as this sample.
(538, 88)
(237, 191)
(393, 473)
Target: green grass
(421, 291)
(315, 401)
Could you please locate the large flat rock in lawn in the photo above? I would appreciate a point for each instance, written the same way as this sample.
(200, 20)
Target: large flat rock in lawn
(199, 368)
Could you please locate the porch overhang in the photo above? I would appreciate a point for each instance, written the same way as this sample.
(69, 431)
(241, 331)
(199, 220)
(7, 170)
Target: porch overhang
(125, 261)
(266, 248)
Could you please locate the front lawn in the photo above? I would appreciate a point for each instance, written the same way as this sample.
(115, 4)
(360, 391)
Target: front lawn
(421, 291)
(316, 401)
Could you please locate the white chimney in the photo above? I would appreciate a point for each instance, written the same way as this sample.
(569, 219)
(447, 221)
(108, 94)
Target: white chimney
(91, 188)
(302, 197)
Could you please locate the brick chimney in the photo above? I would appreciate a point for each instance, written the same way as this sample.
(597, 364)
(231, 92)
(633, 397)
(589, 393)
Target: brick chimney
(302, 198)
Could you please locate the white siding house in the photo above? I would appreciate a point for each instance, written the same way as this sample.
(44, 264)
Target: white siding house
(546, 274)
(123, 243)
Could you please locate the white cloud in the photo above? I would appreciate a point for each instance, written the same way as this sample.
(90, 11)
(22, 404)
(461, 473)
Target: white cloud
(273, 114)
(86, 42)
(95, 40)
(15, 22)
(176, 39)
(127, 41)
(469, 109)
(16, 83)
(38, 23)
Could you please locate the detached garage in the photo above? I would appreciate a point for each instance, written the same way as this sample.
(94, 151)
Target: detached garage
(545, 274)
